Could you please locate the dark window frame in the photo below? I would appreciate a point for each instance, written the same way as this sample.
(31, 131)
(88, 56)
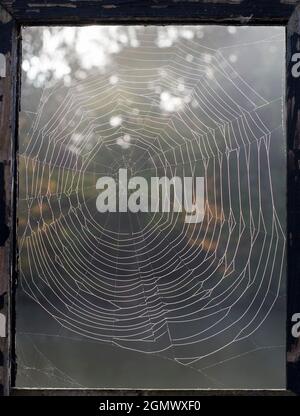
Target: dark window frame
(18, 13)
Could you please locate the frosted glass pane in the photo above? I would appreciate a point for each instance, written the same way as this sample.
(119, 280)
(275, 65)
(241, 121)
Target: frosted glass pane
(124, 287)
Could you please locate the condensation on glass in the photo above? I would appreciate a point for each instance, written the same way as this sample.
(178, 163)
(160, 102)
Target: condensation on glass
(146, 299)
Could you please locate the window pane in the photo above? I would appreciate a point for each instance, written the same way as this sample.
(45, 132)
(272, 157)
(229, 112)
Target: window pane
(152, 208)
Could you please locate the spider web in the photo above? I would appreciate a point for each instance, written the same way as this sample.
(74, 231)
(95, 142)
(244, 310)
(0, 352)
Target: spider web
(149, 282)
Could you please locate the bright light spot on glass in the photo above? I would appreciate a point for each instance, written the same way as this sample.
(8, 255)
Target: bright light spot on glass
(233, 58)
(25, 66)
(232, 30)
(115, 121)
(169, 102)
(76, 137)
(209, 73)
(207, 58)
(113, 79)
(124, 141)
(187, 34)
(181, 87)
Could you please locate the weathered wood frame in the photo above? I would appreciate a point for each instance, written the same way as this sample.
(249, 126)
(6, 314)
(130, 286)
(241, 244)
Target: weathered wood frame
(16, 13)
